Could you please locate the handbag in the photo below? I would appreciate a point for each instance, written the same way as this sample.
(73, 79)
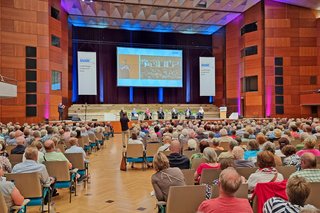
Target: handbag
(123, 165)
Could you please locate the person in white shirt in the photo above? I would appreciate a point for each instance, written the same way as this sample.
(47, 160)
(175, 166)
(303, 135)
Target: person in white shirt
(75, 148)
(134, 139)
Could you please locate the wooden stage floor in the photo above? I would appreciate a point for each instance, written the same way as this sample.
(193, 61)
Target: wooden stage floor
(110, 190)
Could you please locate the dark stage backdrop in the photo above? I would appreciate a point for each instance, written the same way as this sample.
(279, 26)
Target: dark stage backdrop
(104, 43)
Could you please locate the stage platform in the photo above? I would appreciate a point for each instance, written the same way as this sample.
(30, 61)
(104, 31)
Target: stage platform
(110, 112)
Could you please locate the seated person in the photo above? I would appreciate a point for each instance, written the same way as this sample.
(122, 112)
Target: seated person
(188, 113)
(148, 115)
(165, 176)
(52, 155)
(160, 113)
(239, 160)
(134, 114)
(266, 171)
(297, 190)
(166, 140)
(31, 165)
(19, 149)
(175, 158)
(134, 139)
(309, 146)
(11, 194)
(211, 157)
(309, 168)
(200, 113)
(174, 114)
(229, 183)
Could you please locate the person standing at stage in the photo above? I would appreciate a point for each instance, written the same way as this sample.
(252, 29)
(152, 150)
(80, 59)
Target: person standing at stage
(60, 110)
(121, 112)
(125, 129)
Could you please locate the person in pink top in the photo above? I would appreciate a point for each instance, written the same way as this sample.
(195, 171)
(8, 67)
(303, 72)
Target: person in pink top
(229, 183)
(309, 146)
(211, 157)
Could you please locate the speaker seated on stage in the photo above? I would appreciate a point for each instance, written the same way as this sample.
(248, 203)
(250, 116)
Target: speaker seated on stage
(134, 114)
(160, 113)
(200, 113)
(147, 114)
(174, 114)
(188, 113)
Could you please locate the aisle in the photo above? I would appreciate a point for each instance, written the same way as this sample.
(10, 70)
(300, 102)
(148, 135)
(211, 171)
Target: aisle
(110, 190)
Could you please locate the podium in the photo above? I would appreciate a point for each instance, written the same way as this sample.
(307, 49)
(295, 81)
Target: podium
(223, 112)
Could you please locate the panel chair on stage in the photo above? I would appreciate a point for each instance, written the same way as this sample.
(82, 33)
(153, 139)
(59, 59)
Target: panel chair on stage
(31, 188)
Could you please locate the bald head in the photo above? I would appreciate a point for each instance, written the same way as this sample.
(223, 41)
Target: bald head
(175, 146)
(308, 161)
(230, 181)
(49, 146)
(20, 140)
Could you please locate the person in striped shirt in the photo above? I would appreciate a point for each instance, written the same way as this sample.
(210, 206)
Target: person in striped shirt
(297, 190)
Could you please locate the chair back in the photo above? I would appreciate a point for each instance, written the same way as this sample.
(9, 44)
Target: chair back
(209, 175)
(135, 151)
(246, 171)
(61, 147)
(286, 171)
(28, 184)
(85, 140)
(188, 176)
(152, 149)
(313, 198)
(189, 153)
(80, 142)
(15, 159)
(92, 138)
(242, 192)
(3, 205)
(185, 199)
(58, 169)
(76, 159)
(225, 145)
(195, 162)
(99, 135)
(9, 148)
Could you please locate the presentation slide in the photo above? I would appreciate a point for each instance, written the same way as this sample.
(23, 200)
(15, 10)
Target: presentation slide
(140, 67)
(207, 76)
(87, 73)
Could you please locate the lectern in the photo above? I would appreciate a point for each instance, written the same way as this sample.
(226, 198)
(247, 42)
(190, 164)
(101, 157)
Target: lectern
(223, 112)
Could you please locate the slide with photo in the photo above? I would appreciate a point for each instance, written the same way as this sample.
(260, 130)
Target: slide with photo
(142, 67)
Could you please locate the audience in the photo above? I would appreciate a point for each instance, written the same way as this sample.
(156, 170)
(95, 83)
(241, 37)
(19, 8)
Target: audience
(211, 162)
(52, 155)
(175, 158)
(252, 151)
(19, 149)
(239, 160)
(291, 158)
(165, 177)
(266, 172)
(309, 168)
(309, 146)
(11, 194)
(229, 183)
(297, 190)
(166, 144)
(37, 144)
(75, 148)
(228, 154)
(268, 146)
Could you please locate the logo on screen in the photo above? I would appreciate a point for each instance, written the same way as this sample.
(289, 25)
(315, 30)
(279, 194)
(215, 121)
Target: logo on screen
(85, 60)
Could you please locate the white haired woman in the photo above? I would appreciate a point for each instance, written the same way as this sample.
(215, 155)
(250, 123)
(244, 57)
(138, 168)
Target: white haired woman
(211, 157)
